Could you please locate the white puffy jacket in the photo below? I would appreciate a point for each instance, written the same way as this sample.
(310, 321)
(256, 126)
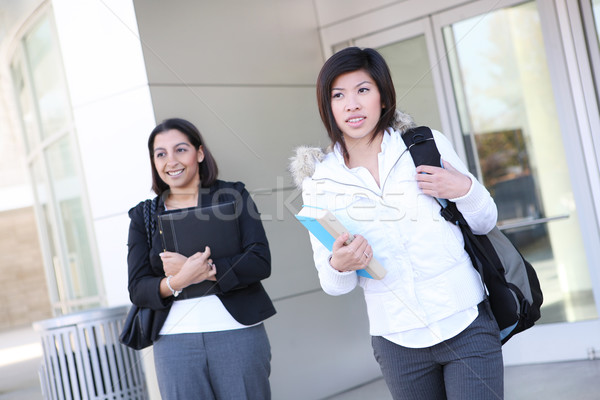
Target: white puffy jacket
(429, 274)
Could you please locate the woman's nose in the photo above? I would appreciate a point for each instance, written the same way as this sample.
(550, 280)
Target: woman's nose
(171, 159)
(352, 105)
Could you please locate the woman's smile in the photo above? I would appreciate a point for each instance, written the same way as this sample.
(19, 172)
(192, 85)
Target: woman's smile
(175, 173)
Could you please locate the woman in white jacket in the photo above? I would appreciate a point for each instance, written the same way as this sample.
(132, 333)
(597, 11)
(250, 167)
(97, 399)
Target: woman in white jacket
(432, 335)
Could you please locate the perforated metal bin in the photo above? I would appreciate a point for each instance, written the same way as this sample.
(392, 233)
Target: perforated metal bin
(83, 358)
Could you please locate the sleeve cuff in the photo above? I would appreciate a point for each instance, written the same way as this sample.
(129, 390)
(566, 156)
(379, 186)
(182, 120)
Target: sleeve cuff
(475, 199)
(336, 283)
(226, 279)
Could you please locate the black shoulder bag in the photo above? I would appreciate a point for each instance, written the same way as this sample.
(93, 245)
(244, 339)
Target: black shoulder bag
(137, 329)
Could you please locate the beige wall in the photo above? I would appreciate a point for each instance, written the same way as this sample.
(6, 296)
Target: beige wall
(24, 295)
(244, 73)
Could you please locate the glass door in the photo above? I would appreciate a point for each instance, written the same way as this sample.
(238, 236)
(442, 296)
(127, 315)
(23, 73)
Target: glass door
(407, 50)
(480, 74)
(498, 73)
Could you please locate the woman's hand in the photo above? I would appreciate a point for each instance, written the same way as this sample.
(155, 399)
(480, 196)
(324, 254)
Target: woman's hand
(195, 269)
(351, 257)
(443, 183)
(172, 262)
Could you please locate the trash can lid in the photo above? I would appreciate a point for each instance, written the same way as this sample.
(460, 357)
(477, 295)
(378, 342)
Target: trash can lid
(81, 316)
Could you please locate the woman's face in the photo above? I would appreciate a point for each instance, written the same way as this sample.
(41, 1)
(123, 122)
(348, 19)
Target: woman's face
(356, 105)
(176, 161)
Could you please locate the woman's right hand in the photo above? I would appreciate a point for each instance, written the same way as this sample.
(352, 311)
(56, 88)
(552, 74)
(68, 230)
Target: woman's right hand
(350, 257)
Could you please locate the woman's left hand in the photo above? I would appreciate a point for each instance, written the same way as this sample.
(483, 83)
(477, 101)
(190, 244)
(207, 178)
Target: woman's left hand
(443, 183)
(172, 262)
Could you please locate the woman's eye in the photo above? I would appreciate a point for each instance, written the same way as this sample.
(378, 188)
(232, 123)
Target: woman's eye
(181, 149)
(336, 96)
(363, 90)
(159, 155)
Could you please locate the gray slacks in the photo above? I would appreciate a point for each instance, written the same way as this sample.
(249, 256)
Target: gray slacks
(466, 367)
(226, 365)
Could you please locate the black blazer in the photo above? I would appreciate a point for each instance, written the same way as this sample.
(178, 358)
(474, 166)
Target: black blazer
(238, 277)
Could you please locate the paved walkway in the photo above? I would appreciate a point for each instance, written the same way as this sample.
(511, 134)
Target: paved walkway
(20, 358)
(575, 380)
(21, 351)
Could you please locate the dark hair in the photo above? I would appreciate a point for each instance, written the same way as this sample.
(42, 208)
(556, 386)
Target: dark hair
(353, 59)
(208, 167)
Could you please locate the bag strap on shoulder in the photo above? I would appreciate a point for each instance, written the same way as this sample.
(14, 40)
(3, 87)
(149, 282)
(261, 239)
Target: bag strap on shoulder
(149, 209)
(424, 151)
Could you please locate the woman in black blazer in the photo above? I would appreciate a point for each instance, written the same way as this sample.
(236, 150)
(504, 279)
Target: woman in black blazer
(209, 340)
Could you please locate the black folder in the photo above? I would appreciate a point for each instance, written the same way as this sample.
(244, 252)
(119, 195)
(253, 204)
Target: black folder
(189, 230)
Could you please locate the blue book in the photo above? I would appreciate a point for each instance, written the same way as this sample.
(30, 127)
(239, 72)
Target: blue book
(325, 227)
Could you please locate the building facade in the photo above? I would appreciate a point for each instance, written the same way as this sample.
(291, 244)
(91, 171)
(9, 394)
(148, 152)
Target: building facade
(512, 83)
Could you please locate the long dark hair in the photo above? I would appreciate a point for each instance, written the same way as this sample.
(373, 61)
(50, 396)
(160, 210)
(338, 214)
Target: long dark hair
(353, 59)
(208, 167)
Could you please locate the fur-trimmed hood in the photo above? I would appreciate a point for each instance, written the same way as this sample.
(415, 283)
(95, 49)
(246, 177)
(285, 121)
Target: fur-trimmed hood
(303, 163)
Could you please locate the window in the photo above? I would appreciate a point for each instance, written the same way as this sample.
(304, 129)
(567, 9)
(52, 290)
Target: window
(53, 161)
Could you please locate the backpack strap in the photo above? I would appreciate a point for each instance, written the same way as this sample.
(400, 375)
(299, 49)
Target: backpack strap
(424, 151)
(419, 141)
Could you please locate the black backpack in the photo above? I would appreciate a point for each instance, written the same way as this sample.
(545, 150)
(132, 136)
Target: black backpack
(513, 289)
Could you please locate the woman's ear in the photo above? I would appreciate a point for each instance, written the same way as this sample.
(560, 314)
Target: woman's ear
(200, 154)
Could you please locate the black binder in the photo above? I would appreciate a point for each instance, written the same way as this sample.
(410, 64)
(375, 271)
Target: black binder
(188, 230)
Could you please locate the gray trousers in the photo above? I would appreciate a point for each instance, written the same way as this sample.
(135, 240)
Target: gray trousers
(466, 367)
(226, 365)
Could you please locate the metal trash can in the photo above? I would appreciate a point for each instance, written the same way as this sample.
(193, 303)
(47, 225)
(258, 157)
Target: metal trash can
(83, 358)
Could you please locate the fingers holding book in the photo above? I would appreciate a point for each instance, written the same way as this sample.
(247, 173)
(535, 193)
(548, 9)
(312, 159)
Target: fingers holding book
(350, 256)
(197, 268)
(324, 226)
(200, 267)
(212, 274)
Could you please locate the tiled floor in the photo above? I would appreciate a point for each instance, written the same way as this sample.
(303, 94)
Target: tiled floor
(575, 380)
